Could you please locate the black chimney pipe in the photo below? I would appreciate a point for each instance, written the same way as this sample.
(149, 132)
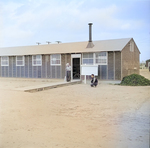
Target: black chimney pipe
(90, 32)
(90, 43)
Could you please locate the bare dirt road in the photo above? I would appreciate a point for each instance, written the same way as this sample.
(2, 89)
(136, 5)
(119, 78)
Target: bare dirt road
(78, 116)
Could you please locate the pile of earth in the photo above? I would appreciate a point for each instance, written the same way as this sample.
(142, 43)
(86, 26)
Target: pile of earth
(135, 80)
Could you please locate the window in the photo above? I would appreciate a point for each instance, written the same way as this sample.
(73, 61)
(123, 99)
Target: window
(88, 58)
(101, 58)
(132, 46)
(19, 60)
(36, 60)
(5, 61)
(55, 59)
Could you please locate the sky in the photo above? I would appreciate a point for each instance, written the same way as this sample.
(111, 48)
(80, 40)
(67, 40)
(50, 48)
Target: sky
(25, 22)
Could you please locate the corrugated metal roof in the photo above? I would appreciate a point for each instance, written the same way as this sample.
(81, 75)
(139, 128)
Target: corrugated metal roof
(76, 47)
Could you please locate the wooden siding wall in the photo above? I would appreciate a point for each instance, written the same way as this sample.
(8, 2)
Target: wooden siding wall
(102, 72)
(29, 71)
(118, 65)
(65, 58)
(130, 60)
(110, 65)
(111, 71)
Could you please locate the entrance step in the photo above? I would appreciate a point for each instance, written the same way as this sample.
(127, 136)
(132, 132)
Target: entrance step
(48, 86)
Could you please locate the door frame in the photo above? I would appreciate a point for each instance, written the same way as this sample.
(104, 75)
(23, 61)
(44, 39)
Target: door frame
(72, 57)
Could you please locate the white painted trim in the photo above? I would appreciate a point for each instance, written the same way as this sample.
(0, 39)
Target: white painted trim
(51, 60)
(88, 58)
(2, 60)
(72, 57)
(37, 64)
(75, 55)
(94, 59)
(20, 60)
(104, 58)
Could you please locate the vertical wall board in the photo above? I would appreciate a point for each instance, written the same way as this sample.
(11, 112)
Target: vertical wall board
(61, 72)
(3, 72)
(34, 68)
(63, 65)
(14, 66)
(26, 66)
(10, 66)
(69, 58)
(65, 59)
(0, 68)
(43, 66)
(118, 65)
(48, 66)
(46, 57)
(36, 71)
(110, 66)
(6, 71)
(30, 66)
(99, 74)
(129, 60)
(22, 72)
(13, 73)
(53, 71)
(58, 69)
(34, 74)
(100, 71)
(39, 71)
(50, 71)
(18, 71)
(103, 72)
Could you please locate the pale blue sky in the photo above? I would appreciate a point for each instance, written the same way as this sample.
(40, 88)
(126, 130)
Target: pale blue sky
(25, 22)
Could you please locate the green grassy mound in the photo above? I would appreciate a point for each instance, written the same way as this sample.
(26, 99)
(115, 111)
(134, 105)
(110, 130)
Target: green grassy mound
(135, 80)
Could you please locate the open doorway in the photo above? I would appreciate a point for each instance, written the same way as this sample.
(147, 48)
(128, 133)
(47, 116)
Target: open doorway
(76, 68)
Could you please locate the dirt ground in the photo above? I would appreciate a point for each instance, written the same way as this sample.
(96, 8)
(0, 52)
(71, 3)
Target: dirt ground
(76, 116)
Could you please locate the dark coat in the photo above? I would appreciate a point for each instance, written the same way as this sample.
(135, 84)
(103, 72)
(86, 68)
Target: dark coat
(95, 82)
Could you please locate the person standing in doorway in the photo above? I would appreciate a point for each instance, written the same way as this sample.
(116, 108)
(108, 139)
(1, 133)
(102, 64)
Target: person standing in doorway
(68, 72)
(94, 81)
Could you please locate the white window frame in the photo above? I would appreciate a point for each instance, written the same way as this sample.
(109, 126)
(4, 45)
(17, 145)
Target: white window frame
(36, 60)
(102, 57)
(4, 60)
(94, 59)
(20, 60)
(88, 58)
(51, 58)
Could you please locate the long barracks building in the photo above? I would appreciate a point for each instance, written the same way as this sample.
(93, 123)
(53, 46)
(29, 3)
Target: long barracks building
(115, 58)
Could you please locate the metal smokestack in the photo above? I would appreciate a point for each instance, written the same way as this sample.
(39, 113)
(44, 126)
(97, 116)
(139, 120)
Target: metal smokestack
(90, 44)
(90, 32)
